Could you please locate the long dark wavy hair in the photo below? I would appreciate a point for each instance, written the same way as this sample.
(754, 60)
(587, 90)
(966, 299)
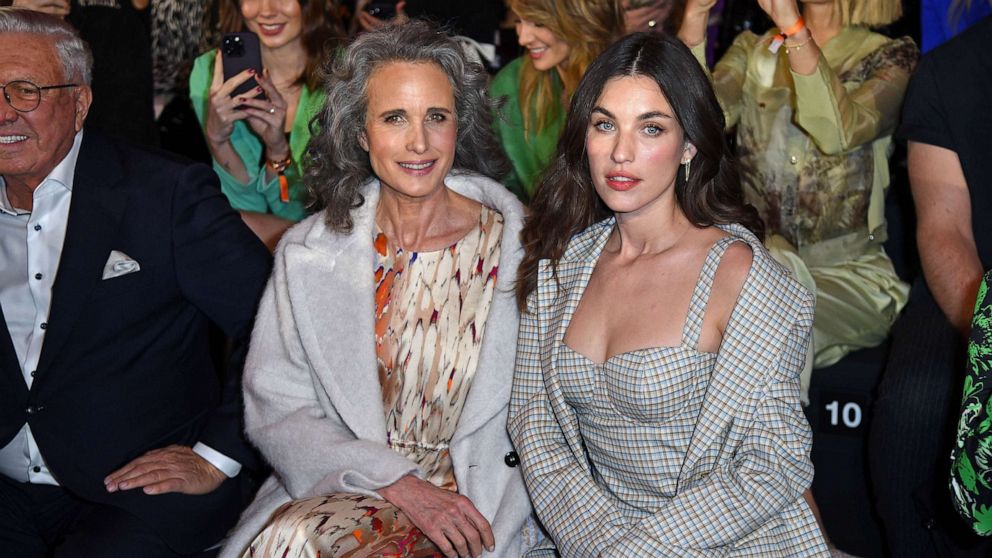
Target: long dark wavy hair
(338, 167)
(566, 203)
(322, 32)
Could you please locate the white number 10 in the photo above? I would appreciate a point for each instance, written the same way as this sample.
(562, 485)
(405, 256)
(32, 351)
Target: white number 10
(850, 414)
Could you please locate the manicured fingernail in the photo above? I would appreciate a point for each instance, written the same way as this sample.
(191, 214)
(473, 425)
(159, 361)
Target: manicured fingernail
(242, 99)
(251, 71)
(491, 548)
(258, 89)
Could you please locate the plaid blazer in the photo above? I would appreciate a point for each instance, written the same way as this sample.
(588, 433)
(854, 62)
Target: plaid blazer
(739, 486)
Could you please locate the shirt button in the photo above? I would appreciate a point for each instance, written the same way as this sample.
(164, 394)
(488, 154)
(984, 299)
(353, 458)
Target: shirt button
(33, 372)
(37, 227)
(36, 469)
(871, 237)
(793, 160)
(44, 325)
(31, 410)
(38, 276)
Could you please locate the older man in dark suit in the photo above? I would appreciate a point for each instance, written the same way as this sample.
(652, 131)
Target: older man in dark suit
(118, 437)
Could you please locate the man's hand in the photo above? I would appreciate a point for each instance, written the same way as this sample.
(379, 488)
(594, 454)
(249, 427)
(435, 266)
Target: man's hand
(58, 8)
(448, 519)
(169, 469)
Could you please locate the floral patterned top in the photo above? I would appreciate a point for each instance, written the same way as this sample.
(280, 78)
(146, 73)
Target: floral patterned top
(813, 148)
(971, 457)
(431, 310)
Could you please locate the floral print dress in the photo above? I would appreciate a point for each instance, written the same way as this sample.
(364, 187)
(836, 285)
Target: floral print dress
(430, 310)
(971, 457)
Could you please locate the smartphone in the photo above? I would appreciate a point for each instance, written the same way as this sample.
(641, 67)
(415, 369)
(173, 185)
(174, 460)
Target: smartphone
(381, 10)
(241, 52)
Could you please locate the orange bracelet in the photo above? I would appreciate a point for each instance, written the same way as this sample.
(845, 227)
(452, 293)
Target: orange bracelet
(796, 27)
(279, 167)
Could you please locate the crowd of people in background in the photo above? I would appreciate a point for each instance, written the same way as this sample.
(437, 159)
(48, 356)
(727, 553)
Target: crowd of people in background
(528, 277)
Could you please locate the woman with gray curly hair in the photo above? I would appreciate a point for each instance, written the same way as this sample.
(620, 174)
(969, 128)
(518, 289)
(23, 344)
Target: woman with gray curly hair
(379, 374)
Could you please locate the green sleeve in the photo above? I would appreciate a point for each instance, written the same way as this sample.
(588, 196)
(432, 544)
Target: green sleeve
(529, 152)
(839, 120)
(729, 74)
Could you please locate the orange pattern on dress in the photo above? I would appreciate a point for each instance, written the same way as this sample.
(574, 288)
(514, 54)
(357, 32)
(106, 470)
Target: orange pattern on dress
(430, 316)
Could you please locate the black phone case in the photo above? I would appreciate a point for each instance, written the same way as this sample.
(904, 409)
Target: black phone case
(240, 52)
(382, 10)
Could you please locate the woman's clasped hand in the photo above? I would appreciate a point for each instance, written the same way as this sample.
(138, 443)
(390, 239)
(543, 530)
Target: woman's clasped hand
(263, 108)
(447, 518)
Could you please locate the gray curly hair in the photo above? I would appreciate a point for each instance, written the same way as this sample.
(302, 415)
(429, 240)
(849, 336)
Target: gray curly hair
(337, 166)
(74, 55)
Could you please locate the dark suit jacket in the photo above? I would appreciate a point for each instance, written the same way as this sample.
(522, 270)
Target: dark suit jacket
(126, 366)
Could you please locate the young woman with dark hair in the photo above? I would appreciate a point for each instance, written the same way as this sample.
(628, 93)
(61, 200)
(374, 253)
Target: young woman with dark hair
(655, 405)
(257, 143)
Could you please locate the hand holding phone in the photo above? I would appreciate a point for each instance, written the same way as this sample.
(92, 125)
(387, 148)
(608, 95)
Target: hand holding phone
(237, 63)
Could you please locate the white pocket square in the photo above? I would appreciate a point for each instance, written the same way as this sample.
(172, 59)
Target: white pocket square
(119, 264)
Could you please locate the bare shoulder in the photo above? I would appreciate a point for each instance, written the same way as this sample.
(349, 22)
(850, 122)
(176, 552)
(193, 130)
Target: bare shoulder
(733, 269)
(729, 281)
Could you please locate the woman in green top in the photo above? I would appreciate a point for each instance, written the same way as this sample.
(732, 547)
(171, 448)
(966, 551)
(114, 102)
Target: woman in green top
(815, 114)
(561, 38)
(257, 144)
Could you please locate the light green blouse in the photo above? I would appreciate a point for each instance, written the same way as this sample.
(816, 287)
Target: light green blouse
(814, 149)
(258, 195)
(530, 152)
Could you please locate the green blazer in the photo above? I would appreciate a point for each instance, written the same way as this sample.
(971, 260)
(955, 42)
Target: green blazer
(529, 153)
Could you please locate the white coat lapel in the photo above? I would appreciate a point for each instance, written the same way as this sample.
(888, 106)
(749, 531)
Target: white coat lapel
(490, 390)
(332, 289)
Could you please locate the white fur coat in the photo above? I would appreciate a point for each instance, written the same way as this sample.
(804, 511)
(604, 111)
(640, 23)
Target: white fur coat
(313, 404)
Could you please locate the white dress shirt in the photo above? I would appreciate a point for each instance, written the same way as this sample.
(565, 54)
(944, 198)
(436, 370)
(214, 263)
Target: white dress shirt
(30, 249)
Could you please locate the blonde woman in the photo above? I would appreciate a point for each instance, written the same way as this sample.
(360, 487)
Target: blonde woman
(815, 102)
(560, 38)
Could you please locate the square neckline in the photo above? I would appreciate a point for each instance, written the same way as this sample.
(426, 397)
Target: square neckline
(691, 327)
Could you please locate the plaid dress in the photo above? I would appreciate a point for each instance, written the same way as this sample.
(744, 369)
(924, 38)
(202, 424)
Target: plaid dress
(704, 455)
